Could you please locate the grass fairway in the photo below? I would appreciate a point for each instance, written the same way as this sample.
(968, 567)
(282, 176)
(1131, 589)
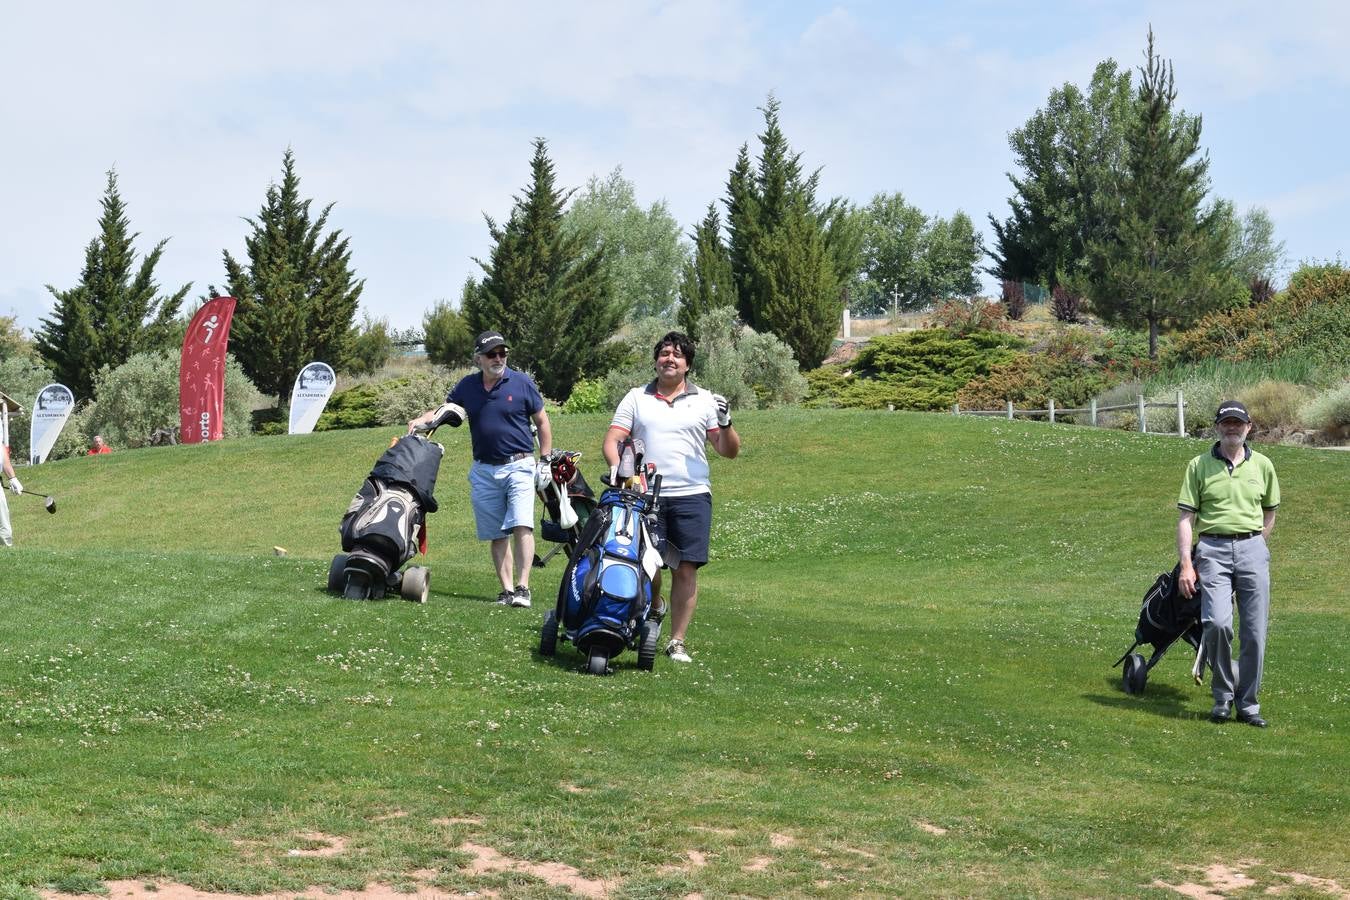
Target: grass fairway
(902, 683)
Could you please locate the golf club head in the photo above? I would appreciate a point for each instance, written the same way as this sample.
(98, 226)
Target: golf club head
(50, 503)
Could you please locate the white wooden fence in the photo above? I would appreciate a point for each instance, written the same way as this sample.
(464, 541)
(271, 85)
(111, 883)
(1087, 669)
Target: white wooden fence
(1052, 411)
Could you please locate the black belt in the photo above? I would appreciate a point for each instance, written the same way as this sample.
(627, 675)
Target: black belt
(1240, 536)
(504, 460)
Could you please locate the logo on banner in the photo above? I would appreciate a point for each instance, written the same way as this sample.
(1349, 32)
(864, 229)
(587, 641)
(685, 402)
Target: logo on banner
(51, 409)
(201, 372)
(313, 386)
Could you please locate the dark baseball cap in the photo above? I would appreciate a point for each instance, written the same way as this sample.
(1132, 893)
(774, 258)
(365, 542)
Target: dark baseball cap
(488, 340)
(1232, 409)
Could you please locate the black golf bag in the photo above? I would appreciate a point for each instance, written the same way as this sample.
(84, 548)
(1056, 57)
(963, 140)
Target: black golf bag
(580, 497)
(605, 597)
(386, 524)
(1165, 617)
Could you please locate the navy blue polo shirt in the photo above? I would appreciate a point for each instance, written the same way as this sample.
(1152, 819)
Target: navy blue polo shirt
(499, 419)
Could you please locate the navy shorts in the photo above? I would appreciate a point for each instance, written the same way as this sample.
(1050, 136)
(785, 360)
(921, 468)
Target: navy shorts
(683, 527)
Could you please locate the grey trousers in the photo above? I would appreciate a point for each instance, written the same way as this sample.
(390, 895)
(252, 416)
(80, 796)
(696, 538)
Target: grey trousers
(1234, 573)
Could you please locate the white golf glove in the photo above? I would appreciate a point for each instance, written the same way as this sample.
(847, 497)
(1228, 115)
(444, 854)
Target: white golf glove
(723, 410)
(543, 475)
(16, 486)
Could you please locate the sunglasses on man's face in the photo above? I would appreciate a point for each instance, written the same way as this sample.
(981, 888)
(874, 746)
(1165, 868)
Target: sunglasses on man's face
(499, 353)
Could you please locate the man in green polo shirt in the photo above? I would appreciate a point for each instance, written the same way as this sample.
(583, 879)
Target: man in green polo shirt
(1229, 496)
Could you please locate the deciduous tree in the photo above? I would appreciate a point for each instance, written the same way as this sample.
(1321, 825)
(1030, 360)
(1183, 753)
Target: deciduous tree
(643, 253)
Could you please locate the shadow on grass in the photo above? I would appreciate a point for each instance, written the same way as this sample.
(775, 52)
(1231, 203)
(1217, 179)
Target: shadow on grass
(1159, 699)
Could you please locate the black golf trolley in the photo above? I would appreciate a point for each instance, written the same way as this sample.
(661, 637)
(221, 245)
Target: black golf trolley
(1164, 618)
(385, 525)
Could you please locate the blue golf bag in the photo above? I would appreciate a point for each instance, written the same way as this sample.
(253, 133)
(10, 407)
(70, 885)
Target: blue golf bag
(605, 597)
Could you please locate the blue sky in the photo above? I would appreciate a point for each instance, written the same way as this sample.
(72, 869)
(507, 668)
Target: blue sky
(415, 118)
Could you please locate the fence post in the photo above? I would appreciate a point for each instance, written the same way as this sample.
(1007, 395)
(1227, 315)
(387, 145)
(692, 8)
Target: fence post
(1143, 425)
(1181, 416)
(848, 326)
(956, 409)
(1010, 410)
(1052, 410)
(1094, 412)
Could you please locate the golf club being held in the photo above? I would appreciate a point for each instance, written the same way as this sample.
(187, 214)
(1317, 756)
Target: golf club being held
(47, 500)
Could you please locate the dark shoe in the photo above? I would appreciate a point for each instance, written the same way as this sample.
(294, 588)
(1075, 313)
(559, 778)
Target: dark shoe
(1220, 711)
(505, 598)
(657, 614)
(521, 598)
(1253, 719)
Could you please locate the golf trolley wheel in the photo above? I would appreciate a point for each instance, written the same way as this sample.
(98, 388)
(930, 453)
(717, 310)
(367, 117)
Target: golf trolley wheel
(336, 574)
(651, 634)
(548, 635)
(415, 584)
(597, 663)
(1135, 675)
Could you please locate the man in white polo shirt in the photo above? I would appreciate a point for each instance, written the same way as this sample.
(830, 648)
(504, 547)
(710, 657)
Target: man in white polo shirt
(675, 420)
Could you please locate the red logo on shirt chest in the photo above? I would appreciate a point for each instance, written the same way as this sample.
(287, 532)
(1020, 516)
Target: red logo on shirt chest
(509, 398)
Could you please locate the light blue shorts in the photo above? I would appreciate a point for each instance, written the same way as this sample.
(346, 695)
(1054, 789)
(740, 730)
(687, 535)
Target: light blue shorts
(502, 497)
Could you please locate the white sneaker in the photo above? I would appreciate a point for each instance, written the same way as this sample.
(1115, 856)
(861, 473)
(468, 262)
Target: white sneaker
(677, 652)
(521, 597)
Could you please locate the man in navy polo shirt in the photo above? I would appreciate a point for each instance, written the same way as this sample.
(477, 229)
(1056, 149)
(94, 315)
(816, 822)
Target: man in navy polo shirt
(1229, 496)
(500, 404)
(675, 419)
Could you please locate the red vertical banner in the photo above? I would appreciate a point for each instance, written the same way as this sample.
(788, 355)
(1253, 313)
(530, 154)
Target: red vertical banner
(201, 374)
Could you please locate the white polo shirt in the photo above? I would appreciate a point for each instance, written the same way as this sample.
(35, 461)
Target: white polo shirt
(675, 434)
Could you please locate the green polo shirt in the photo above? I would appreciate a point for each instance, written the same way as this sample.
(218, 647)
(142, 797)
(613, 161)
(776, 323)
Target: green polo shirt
(1227, 498)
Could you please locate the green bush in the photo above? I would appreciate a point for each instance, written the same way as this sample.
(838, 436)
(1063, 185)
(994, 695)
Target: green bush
(141, 395)
(918, 370)
(1311, 317)
(588, 396)
(1329, 412)
(356, 407)
(752, 369)
(407, 398)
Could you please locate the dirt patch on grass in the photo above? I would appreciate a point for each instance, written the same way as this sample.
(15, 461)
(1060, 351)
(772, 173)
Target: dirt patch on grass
(485, 859)
(758, 864)
(929, 827)
(1219, 881)
(461, 820)
(159, 890)
(782, 840)
(318, 844)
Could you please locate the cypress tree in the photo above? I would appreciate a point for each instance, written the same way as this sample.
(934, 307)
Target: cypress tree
(113, 312)
(297, 294)
(547, 294)
(707, 281)
(1165, 262)
(785, 248)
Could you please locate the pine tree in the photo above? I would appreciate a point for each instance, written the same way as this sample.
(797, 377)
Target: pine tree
(297, 294)
(707, 281)
(114, 311)
(1165, 262)
(547, 294)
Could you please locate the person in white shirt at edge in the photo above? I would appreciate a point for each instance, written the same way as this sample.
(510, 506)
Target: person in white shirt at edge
(675, 420)
(6, 532)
